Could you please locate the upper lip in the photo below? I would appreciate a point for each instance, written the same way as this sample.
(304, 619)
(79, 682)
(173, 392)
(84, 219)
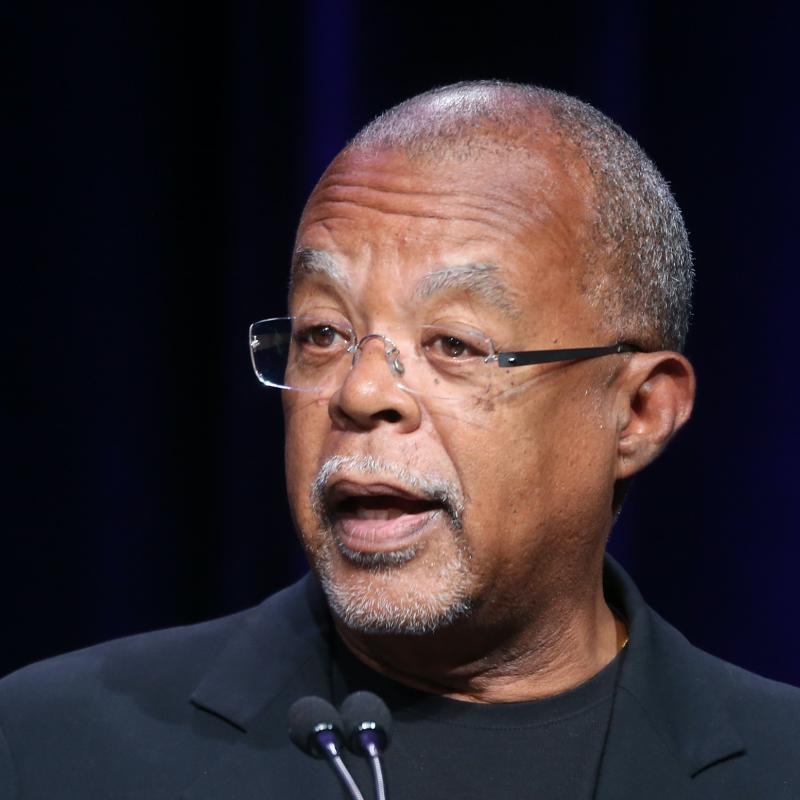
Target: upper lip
(346, 489)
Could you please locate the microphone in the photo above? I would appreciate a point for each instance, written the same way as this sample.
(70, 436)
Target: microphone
(368, 723)
(315, 727)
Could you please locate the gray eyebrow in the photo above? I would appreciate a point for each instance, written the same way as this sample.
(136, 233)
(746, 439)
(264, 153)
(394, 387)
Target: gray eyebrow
(479, 279)
(307, 261)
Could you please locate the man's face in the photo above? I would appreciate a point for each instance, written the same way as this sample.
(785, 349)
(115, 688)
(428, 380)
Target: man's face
(418, 509)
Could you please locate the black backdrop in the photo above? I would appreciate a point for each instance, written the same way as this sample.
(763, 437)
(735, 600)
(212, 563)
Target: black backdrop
(157, 158)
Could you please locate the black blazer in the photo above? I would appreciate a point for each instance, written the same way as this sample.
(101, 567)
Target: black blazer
(200, 713)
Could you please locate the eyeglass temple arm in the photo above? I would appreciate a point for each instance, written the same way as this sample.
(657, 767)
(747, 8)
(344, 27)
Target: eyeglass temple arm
(524, 358)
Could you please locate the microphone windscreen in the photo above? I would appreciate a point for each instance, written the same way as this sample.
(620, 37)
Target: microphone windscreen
(364, 710)
(307, 717)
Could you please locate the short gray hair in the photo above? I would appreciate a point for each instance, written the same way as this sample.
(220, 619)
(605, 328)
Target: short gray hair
(645, 284)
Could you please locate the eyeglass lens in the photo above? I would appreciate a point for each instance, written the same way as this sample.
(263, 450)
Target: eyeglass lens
(445, 360)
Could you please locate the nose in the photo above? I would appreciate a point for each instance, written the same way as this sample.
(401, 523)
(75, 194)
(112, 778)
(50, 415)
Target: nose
(370, 395)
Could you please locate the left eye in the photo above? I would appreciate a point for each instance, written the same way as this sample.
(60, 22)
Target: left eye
(454, 348)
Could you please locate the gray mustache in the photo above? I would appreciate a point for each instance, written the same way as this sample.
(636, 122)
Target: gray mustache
(432, 488)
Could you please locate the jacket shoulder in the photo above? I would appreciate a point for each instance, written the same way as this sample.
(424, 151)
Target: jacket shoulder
(766, 716)
(157, 658)
(755, 704)
(93, 717)
(146, 657)
(758, 702)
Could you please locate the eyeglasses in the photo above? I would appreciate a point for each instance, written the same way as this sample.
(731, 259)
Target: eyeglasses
(450, 360)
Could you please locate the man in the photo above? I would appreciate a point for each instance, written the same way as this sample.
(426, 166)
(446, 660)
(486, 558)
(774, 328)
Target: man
(489, 294)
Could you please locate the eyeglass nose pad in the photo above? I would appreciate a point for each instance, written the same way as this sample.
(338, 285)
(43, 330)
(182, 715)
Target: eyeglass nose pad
(389, 349)
(393, 357)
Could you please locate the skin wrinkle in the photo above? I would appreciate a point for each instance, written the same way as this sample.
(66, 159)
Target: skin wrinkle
(567, 169)
(558, 226)
(405, 213)
(494, 208)
(494, 197)
(390, 213)
(393, 191)
(339, 181)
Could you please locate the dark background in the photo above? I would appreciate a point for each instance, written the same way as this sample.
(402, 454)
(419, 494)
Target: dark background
(157, 157)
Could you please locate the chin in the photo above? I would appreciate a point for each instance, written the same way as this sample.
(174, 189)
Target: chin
(404, 592)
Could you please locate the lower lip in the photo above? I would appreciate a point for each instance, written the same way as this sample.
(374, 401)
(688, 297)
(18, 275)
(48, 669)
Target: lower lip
(383, 535)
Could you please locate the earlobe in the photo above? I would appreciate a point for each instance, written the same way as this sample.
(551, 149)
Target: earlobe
(655, 400)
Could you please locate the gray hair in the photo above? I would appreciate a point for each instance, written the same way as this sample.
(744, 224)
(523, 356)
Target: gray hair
(644, 279)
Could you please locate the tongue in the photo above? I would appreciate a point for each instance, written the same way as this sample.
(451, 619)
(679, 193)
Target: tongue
(382, 507)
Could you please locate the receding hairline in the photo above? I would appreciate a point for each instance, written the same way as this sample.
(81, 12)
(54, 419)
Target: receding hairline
(430, 126)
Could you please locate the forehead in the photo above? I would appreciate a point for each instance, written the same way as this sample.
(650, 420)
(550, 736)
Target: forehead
(507, 219)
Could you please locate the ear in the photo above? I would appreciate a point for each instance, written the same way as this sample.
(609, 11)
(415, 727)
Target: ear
(655, 400)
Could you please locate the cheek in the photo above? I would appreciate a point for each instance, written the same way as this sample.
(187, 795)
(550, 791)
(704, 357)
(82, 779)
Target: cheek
(574, 464)
(306, 421)
(494, 468)
(540, 469)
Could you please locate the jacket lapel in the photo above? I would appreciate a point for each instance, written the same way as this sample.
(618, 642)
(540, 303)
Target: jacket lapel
(668, 727)
(279, 654)
(638, 763)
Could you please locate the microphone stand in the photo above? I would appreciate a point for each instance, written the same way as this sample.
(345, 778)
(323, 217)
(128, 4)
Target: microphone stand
(368, 723)
(371, 745)
(327, 744)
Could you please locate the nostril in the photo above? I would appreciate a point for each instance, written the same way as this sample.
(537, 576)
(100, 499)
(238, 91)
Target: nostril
(388, 415)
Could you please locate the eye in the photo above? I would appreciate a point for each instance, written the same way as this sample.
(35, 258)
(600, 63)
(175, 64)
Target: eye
(454, 345)
(320, 335)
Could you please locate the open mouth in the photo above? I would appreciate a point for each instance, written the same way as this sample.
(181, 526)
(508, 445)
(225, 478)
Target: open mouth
(381, 507)
(378, 517)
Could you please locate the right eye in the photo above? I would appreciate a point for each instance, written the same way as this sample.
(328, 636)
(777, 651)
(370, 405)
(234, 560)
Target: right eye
(321, 335)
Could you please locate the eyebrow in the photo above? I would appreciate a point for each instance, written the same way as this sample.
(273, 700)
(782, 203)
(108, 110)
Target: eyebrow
(479, 279)
(306, 262)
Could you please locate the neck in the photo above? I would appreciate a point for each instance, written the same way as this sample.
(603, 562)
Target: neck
(486, 661)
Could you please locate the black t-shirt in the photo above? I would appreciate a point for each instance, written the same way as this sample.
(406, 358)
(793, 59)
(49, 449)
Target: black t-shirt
(443, 748)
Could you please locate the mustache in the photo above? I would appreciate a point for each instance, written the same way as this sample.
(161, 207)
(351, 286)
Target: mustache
(431, 487)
